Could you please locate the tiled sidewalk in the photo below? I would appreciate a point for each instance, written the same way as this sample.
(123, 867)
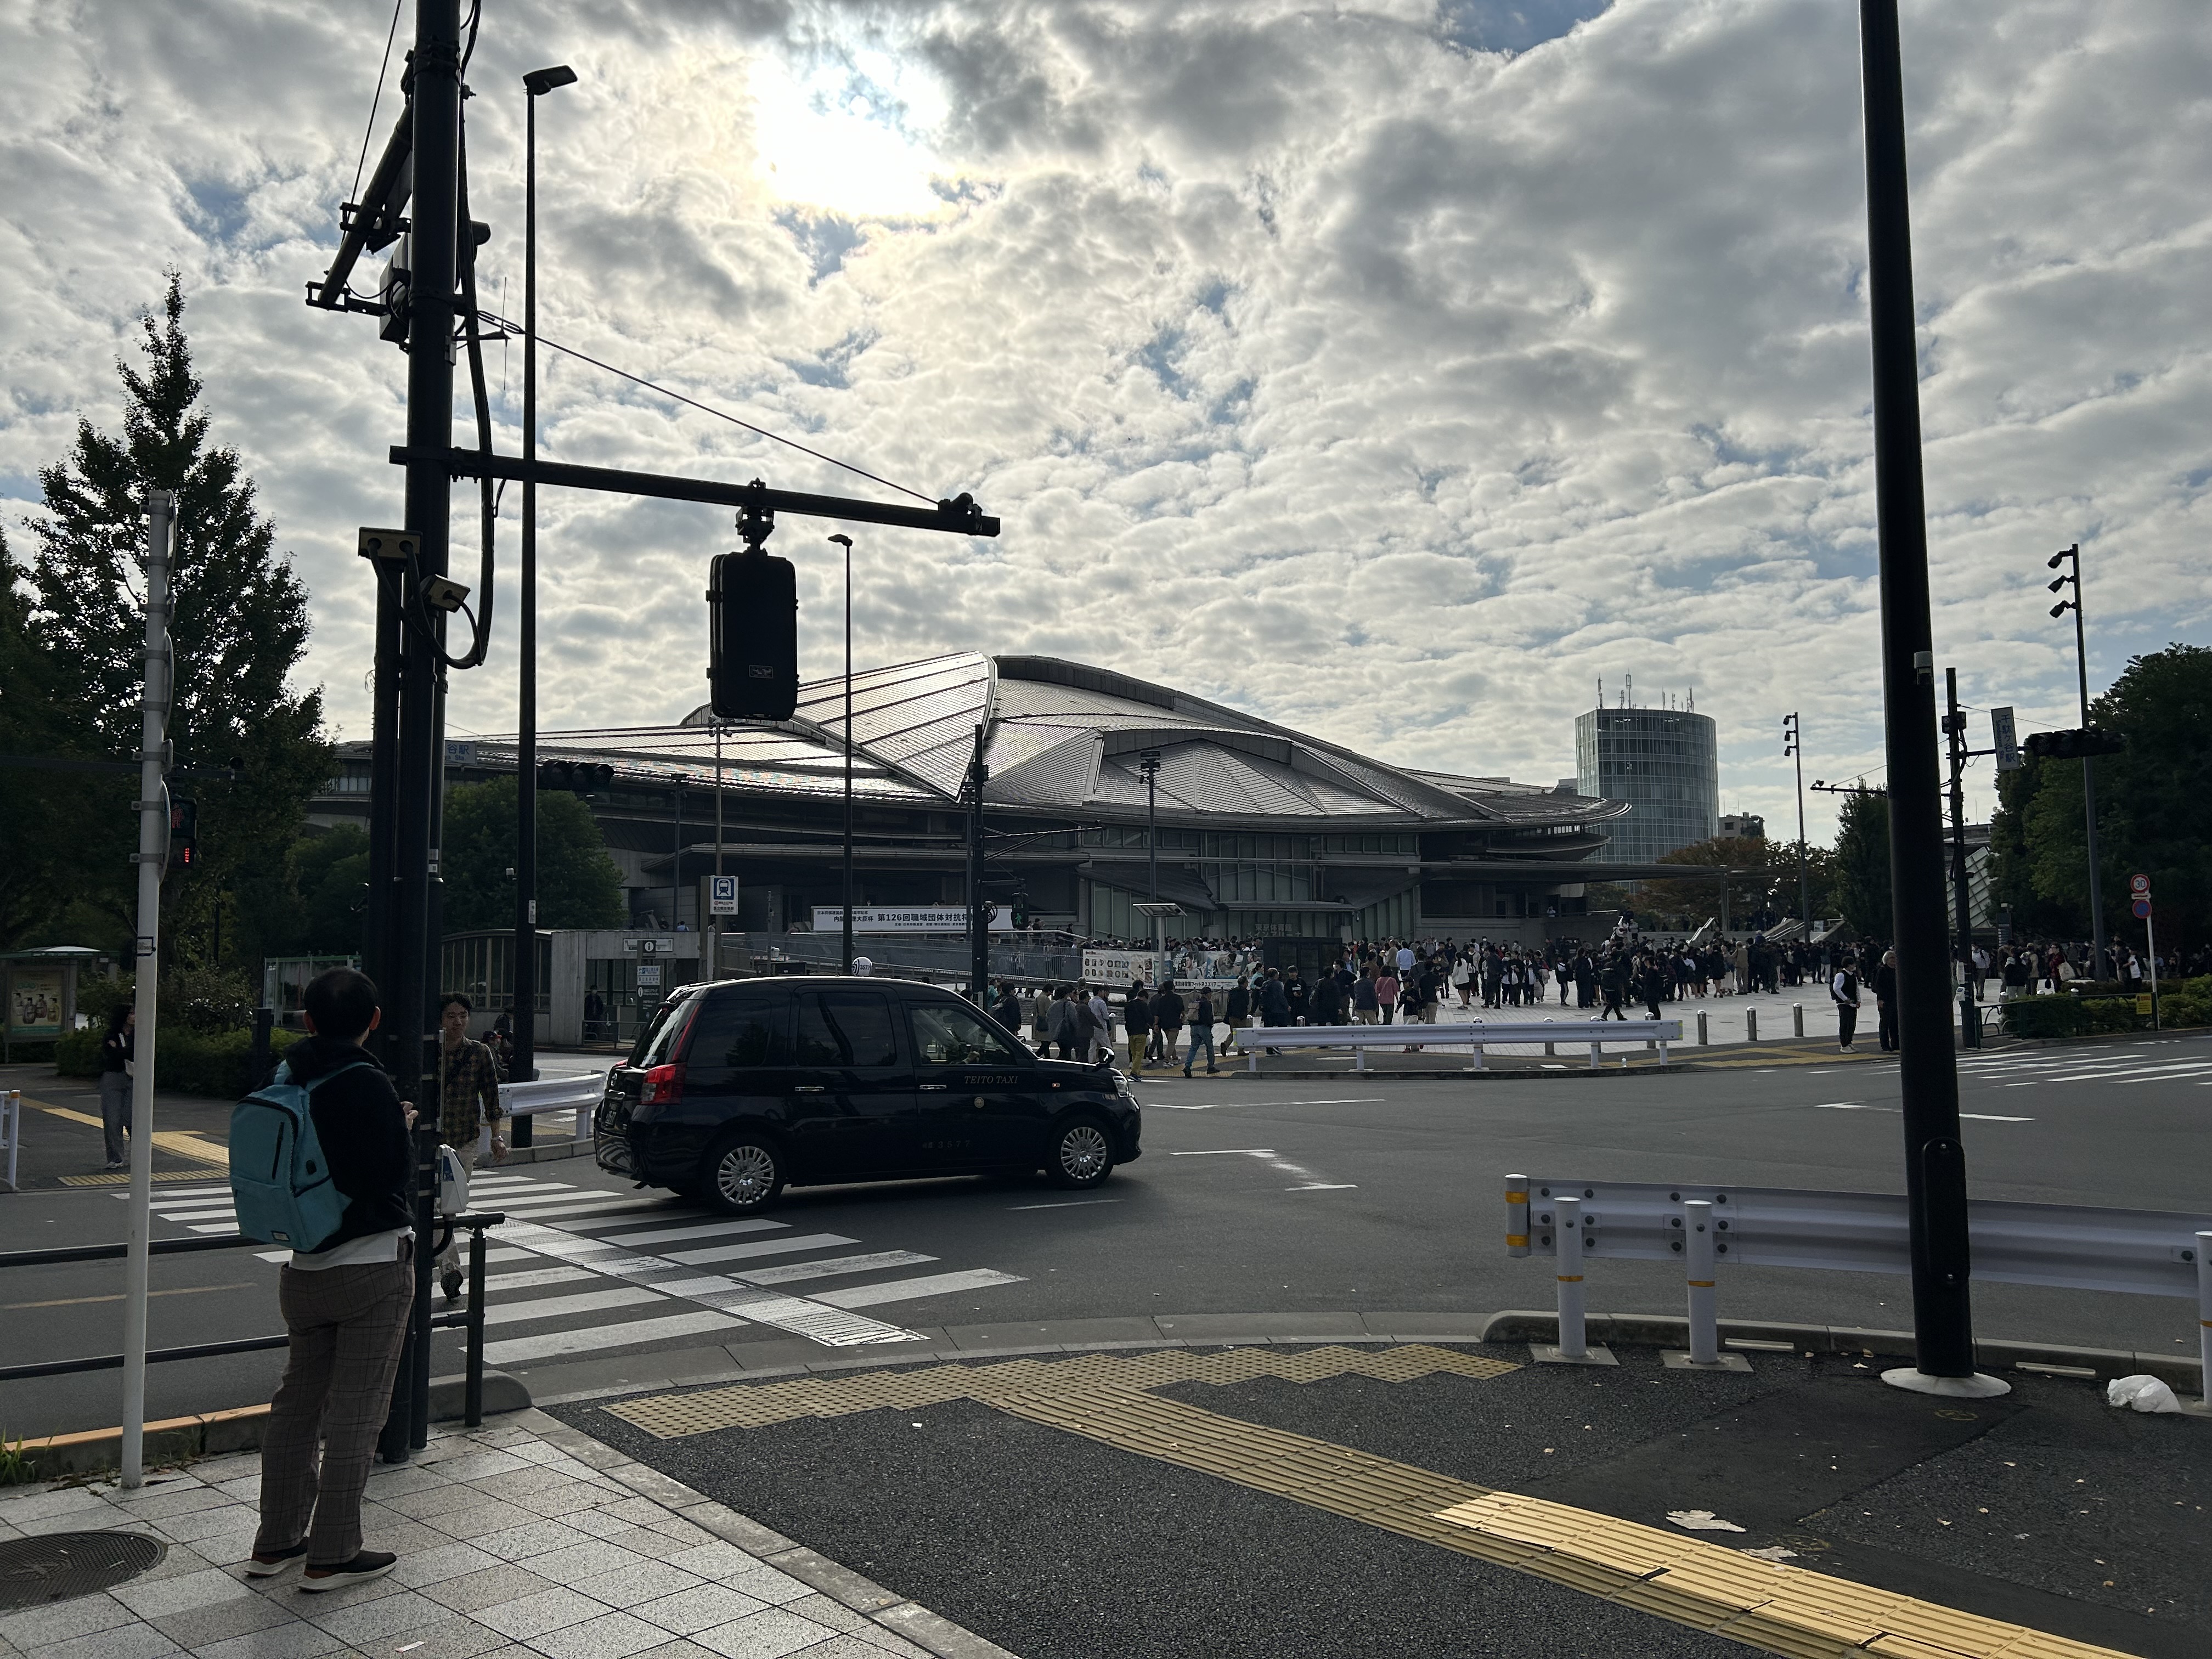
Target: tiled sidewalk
(524, 1540)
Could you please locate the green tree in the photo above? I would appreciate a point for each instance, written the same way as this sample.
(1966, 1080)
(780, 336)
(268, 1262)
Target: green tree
(1860, 865)
(2151, 806)
(331, 874)
(578, 885)
(239, 626)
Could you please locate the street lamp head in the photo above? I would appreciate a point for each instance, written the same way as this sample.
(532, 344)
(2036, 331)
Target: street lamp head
(538, 82)
(2057, 559)
(2058, 582)
(2062, 607)
(845, 542)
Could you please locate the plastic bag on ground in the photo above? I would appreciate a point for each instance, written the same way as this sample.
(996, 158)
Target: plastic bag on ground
(2145, 1393)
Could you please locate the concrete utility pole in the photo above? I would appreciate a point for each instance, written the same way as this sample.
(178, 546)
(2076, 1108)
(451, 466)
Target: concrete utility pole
(1954, 731)
(2071, 557)
(1934, 1162)
(153, 859)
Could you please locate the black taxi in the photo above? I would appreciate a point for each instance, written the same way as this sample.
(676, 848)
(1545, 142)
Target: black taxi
(739, 1088)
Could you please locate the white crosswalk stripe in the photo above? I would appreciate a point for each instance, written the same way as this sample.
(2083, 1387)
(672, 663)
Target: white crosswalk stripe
(723, 1274)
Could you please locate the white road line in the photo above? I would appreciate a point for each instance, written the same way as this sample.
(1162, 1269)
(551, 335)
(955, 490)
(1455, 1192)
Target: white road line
(1325, 1187)
(217, 1227)
(508, 1183)
(768, 1247)
(791, 1272)
(518, 1350)
(1994, 1117)
(494, 1284)
(194, 1212)
(708, 1229)
(1064, 1203)
(168, 1193)
(1230, 1151)
(832, 1327)
(908, 1289)
(564, 1307)
(581, 1206)
(1214, 1105)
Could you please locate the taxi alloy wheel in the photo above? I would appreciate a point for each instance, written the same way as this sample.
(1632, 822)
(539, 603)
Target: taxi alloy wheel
(1082, 1156)
(744, 1174)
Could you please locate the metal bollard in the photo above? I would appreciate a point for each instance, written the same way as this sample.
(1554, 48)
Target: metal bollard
(1517, 1215)
(2204, 1315)
(1548, 1046)
(1797, 1017)
(1751, 1025)
(1567, 1239)
(1703, 1040)
(1697, 1259)
(472, 1385)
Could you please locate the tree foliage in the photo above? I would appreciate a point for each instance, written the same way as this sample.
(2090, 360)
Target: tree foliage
(1860, 865)
(2152, 815)
(238, 628)
(1763, 889)
(578, 885)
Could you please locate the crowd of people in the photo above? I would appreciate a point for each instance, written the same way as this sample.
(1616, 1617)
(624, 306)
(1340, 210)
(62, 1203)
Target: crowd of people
(1410, 982)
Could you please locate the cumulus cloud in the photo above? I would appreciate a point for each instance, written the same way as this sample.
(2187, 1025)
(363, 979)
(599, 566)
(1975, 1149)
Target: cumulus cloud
(1395, 371)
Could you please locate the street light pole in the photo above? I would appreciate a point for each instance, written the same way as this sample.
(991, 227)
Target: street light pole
(846, 946)
(525, 976)
(1934, 1161)
(2072, 558)
(1793, 743)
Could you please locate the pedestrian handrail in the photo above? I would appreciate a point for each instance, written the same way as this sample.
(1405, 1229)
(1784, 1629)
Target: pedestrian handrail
(11, 1132)
(470, 1318)
(2058, 1246)
(1464, 1034)
(580, 1094)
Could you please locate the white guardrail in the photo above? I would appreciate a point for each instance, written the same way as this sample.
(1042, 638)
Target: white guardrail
(1463, 1034)
(580, 1094)
(2062, 1246)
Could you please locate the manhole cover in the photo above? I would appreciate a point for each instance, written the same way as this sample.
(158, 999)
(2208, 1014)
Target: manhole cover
(56, 1565)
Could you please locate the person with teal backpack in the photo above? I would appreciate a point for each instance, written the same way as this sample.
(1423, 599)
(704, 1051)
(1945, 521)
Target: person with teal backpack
(319, 1160)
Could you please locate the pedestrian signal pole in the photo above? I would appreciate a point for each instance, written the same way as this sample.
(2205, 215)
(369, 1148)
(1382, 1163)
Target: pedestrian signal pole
(1954, 733)
(2071, 558)
(1934, 1162)
(152, 860)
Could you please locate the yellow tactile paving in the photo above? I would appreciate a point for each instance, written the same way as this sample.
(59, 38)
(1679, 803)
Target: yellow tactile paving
(1108, 1397)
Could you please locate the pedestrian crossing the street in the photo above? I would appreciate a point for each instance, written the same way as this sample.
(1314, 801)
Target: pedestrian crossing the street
(582, 1270)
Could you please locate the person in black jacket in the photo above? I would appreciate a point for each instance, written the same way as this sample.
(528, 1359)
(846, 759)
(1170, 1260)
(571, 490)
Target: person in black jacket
(345, 1304)
(117, 1104)
(1884, 997)
(1137, 1019)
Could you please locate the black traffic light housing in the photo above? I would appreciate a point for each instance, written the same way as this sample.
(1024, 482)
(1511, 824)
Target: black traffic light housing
(581, 777)
(752, 656)
(184, 834)
(2076, 745)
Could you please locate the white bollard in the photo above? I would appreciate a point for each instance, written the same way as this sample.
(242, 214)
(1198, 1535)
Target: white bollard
(1751, 1025)
(1567, 1237)
(1548, 1046)
(1797, 1017)
(1698, 1259)
(2203, 1314)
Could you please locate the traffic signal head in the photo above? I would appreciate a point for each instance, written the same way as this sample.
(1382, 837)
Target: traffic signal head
(2078, 745)
(184, 834)
(752, 639)
(581, 777)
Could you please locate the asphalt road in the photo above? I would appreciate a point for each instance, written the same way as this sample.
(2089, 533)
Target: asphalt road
(1253, 1195)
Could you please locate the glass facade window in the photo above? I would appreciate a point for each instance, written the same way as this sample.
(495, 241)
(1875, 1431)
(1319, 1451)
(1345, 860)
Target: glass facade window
(1665, 763)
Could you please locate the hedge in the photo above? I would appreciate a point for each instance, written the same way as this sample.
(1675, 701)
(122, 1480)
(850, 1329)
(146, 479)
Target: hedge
(2046, 1017)
(188, 1063)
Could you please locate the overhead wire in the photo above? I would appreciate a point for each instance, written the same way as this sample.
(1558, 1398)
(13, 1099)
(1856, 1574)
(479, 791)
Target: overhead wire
(368, 132)
(707, 409)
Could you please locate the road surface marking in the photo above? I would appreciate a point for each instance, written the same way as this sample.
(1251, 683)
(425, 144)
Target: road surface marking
(908, 1289)
(80, 1301)
(522, 1349)
(559, 1307)
(1064, 1203)
(790, 1272)
(766, 1247)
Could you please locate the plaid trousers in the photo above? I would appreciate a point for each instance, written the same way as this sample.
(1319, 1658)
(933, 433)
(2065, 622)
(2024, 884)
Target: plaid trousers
(346, 1325)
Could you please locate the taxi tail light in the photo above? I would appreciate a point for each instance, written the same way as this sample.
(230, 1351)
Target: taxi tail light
(664, 1085)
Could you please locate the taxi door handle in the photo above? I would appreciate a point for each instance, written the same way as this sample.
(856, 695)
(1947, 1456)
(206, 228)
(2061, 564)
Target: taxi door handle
(811, 1089)
(939, 1088)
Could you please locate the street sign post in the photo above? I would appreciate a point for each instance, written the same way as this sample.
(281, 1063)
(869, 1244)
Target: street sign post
(722, 896)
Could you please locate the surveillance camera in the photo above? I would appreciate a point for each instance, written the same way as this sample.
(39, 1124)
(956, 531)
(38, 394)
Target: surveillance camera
(2057, 559)
(440, 594)
(2060, 609)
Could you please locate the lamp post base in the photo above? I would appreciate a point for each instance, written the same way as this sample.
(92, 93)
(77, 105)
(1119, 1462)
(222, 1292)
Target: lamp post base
(1976, 1387)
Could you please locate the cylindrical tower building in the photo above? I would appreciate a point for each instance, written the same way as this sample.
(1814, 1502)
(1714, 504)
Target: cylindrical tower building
(1665, 763)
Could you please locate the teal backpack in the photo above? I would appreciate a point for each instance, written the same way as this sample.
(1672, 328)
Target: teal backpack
(280, 1181)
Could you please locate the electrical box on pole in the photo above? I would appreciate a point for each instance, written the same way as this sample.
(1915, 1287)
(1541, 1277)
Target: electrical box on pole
(753, 601)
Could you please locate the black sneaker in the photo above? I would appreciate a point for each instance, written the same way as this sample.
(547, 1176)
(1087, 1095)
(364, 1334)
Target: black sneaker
(369, 1564)
(258, 1565)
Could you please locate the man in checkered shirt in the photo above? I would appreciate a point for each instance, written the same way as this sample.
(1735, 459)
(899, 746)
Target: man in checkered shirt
(467, 1098)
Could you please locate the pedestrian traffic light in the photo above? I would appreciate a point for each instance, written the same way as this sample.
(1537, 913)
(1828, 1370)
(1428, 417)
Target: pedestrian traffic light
(582, 776)
(752, 666)
(2077, 744)
(184, 834)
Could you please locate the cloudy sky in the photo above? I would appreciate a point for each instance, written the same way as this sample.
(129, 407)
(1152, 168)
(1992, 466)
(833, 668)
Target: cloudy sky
(1398, 371)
